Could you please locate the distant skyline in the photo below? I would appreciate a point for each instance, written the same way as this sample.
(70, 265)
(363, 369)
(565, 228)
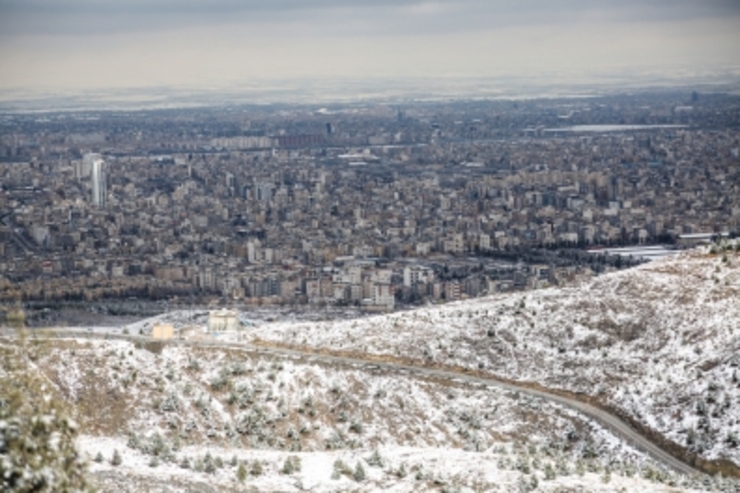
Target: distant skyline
(77, 45)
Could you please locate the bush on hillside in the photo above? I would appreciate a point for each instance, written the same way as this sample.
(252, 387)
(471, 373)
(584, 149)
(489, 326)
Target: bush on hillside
(37, 451)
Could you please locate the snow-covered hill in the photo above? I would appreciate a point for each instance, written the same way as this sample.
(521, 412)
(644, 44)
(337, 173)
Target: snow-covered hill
(185, 418)
(661, 342)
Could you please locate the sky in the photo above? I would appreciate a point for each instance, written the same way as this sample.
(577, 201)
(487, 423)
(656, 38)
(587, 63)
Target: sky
(59, 45)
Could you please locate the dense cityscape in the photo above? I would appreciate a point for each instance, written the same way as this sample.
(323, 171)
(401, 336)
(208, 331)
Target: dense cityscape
(368, 205)
(451, 246)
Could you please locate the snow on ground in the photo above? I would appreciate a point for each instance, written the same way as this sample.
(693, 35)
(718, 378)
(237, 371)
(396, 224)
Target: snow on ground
(232, 396)
(660, 341)
(159, 405)
(388, 468)
(198, 317)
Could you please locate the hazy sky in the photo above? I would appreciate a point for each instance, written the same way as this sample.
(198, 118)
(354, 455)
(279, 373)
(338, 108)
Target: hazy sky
(90, 44)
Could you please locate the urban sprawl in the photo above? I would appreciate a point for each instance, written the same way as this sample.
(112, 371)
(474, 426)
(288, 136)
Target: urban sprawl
(375, 206)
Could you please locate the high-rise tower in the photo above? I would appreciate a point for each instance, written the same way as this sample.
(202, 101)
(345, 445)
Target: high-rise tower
(99, 185)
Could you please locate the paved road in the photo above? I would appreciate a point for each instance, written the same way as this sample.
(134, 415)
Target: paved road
(611, 422)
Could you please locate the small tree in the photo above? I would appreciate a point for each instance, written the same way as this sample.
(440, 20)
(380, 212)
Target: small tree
(256, 468)
(292, 465)
(288, 466)
(208, 464)
(375, 460)
(99, 457)
(359, 474)
(37, 449)
(116, 459)
(241, 472)
(339, 468)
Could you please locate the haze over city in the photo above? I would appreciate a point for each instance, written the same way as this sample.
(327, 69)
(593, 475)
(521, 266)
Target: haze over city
(82, 45)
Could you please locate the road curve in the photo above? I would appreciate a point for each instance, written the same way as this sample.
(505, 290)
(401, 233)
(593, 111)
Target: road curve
(611, 422)
(608, 420)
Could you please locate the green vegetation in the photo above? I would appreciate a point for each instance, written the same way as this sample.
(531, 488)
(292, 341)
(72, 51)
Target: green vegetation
(36, 432)
(241, 473)
(359, 473)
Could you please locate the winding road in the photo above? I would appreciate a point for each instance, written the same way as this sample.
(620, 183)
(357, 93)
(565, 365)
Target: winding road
(613, 423)
(609, 421)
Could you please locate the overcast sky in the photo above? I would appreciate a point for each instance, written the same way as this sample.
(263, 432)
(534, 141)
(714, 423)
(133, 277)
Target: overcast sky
(98, 44)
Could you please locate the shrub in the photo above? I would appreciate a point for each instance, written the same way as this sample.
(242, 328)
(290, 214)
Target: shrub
(238, 369)
(157, 446)
(241, 472)
(220, 382)
(375, 460)
(170, 404)
(256, 468)
(208, 464)
(359, 473)
(37, 449)
(99, 457)
(340, 468)
(116, 460)
(580, 468)
(292, 465)
(732, 439)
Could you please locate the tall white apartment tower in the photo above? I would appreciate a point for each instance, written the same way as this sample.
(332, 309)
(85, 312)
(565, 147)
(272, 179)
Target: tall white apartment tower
(99, 185)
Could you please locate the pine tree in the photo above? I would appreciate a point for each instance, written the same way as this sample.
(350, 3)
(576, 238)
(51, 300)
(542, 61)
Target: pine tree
(375, 460)
(116, 460)
(37, 448)
(359, 474)
(208, 464)
(241, 472)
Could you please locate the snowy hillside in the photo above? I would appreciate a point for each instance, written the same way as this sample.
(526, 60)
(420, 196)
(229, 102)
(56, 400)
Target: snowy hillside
(661, 342)
(182, 418)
